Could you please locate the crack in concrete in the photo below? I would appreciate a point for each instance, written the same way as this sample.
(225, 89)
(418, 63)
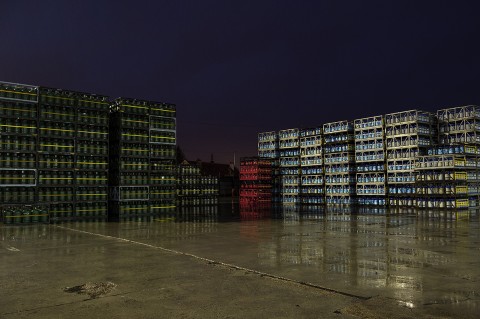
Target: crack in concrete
(214, 262)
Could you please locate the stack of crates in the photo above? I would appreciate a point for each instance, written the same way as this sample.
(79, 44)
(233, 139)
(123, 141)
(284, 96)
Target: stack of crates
(370, 158)
(195, 189)
(408, 135)
(18, 150)
(268, 149)
(56, 152)
(91, 156)
(339, 159)
(163, 145)
(142, 154)
(255, 182)
(459, 125)
(289, 164)
(312, 187)
(448, 177)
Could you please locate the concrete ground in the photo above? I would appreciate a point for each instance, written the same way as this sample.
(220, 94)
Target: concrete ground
(206, 269)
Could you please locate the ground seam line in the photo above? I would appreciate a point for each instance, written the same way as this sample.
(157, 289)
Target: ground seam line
(211, 261)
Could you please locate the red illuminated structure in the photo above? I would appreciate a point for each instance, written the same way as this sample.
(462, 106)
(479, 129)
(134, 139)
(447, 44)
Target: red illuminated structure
(256, 181)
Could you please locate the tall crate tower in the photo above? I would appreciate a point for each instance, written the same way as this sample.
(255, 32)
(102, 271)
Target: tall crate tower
(143, 151)
(459, 129)
(163, 144)
(18, 151)
(312, 187)
(56, 152)
(339, 159)
(408, 135)
(289, 164)
(268, 149)
(91, 158)
(370, 158)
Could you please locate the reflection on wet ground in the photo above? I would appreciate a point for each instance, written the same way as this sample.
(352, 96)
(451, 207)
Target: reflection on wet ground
(421, 258)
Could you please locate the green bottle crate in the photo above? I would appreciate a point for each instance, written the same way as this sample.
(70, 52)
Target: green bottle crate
(92, 148)
(162, 207)
(54, 161)
(91, 194)
(18, 110)
(18, 126)
(163, 109)
(91, 117)
(92, 163)
(62, 212)
(55, 178)
(92, 132)
(96, 178)
(18, 160)
(134, 164)
(55, 194)
(17, 195)
(19, 177)
(58, 113)
(162, 193)
(134, 193)
(134, 121)
(18, 91)
(134, 208)
(17, 143)
(56, 145)
(91, 210)
(163, 137)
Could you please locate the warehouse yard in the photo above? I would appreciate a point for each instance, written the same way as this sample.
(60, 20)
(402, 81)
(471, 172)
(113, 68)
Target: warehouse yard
(300, 266)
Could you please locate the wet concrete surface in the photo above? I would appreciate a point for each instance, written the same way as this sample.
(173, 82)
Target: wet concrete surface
(200, 264)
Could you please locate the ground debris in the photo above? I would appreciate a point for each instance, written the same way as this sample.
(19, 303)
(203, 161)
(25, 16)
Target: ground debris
(92, 289)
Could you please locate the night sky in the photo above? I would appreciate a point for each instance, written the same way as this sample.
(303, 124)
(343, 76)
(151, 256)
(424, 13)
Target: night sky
(236, 68)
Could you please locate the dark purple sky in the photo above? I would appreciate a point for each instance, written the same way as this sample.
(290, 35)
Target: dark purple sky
(236, 68)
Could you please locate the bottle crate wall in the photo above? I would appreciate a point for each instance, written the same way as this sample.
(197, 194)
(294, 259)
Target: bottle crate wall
(195, 189)
(255, 180)
(59, 140)
(312, 187)
(143, 149)
(408, 135)
(371, 186)
(339, 159)
(73, 154)
(18, 150)
(268, 148)
(289, 164)
(450, 180)
(459, 125)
